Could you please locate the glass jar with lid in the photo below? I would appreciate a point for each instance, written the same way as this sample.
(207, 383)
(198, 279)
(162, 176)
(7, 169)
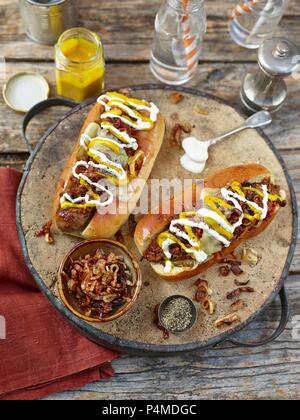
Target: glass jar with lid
(80, 65)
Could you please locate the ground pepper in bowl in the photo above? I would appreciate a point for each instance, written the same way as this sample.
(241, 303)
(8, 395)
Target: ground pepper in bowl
(177, 314)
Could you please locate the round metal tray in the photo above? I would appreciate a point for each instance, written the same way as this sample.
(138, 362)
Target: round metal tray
(42, 160)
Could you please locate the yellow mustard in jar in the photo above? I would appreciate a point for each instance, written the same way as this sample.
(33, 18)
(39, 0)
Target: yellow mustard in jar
(80, 65)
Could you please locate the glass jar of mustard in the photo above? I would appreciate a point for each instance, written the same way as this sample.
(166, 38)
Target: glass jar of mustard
(80, 65)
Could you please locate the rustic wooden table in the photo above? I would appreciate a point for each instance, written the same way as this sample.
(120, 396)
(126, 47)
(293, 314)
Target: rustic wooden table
(127, 28)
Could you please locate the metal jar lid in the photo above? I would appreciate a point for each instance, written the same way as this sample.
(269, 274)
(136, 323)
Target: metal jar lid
(278, 57)
(24, 90)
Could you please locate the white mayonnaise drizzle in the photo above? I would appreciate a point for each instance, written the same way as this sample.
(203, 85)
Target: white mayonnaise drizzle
(138, 125)
(199, 255)
(168, 266)
(166, 246)
(217, 218)
(153, 110)
(263, 210)
(121, 174)
(265, 202)
(203, 226)
(179, 233)
(227, 197)
(106, 165)
(86, 199)
(84, 139)
(131, 141)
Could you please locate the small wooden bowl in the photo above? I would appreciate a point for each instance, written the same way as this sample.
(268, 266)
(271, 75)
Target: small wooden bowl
(90, 247)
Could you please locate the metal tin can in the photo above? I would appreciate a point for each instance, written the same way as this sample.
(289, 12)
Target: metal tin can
(46, 20)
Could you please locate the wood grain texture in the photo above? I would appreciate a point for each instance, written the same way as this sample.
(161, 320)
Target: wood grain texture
(126, 27)
(129, 23)
(291, 157)
(271, 372)
(223, 80)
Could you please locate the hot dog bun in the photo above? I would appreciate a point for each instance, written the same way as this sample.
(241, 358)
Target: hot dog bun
(106, 225)
(153, 224)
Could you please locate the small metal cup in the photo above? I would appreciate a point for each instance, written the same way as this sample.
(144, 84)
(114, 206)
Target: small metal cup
(165, 302)
(45, 20)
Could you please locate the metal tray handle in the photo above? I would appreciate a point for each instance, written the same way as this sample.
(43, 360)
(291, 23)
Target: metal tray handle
(282, 294)
(36, 109)
(279, 330)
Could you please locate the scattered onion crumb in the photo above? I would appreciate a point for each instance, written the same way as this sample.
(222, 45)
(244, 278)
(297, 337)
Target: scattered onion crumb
(200, 110)
(176, 98)
(177, 133)
(238, 305)
(227, 320)
(250, 256)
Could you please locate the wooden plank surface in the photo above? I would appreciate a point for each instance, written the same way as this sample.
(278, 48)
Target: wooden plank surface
(126, 28)
(129, 23)
(223, 80)
(217, 78)
(270, 372)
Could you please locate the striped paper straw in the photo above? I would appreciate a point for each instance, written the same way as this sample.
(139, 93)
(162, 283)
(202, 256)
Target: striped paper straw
(192, 52)
(185, 51)
(242, 9)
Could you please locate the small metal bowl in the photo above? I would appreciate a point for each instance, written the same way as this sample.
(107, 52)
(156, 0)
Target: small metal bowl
(163, 305)
(90, 247)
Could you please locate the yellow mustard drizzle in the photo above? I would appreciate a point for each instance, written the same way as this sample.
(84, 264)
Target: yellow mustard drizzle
(106, 143)
(215, 204)
(116, 112)
(167, 235)
(94, 196)
(127, 109)
(133, 160)
(189, 229)
(127, 100)
(215, 226)
(236, 186)
(68, 204)
(272, 197)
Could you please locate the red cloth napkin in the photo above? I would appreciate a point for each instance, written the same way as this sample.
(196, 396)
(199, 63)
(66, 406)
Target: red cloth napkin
(42, 352)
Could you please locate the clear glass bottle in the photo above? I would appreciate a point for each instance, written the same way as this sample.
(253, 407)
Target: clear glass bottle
(178, 40)
(254, 21)
(80, 65)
